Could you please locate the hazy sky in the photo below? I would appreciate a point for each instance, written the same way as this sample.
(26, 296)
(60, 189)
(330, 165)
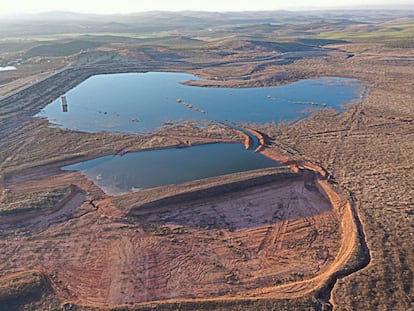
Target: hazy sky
(130, 6)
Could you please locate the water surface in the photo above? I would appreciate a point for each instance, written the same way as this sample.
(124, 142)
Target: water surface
(142, 102)
(146, 169)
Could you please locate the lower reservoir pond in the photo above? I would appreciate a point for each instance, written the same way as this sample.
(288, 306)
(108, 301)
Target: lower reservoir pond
(146, 169)
(143, 102)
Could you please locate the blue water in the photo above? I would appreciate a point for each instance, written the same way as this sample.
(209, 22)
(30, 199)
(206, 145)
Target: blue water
(142, 102)
(146, 169)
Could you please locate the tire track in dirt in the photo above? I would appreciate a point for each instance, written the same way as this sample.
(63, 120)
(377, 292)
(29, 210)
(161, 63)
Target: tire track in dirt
(351, 228)
(351, 124)
(158, 262)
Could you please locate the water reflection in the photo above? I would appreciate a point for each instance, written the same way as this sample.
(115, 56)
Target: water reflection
(146, 169)
(141, 102)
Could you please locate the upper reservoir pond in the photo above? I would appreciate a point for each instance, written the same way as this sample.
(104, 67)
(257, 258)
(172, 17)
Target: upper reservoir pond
(142, 102)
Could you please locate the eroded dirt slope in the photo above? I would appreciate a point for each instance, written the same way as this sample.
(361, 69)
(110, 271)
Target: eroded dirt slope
(229, 245)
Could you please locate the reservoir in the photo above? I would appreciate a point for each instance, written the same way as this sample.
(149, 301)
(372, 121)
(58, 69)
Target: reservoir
(146, 169)
(142, 102)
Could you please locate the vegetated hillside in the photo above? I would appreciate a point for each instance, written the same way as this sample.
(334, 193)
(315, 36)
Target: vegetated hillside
(261, 23)
(263, 45)
(373, 32)
(61, 49)
(400, 43)
(10, 46)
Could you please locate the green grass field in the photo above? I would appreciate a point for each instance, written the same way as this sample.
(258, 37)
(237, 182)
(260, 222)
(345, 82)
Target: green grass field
(363, 33)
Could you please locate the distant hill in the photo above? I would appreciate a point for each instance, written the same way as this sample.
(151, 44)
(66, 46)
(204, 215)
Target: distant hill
(52, 23)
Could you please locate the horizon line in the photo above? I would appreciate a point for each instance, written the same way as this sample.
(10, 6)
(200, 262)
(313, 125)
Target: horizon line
(394, 7)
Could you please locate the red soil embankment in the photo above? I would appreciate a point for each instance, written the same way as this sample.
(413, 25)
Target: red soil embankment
(247, 140)
(349, 230)
(259, 136)
(294, 164)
